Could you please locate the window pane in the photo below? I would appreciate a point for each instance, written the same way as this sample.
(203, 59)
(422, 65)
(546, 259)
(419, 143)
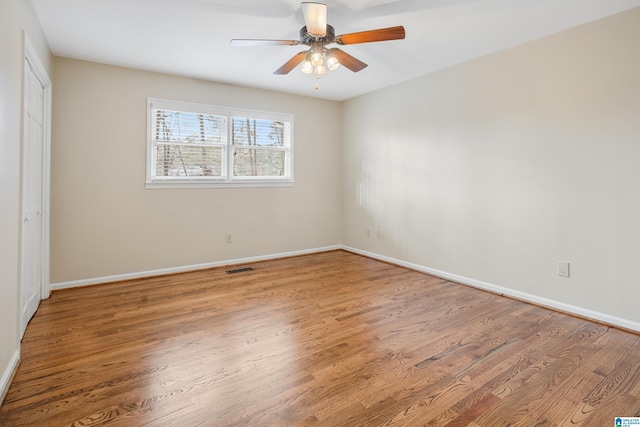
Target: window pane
(258, 132)
(181, 126)
(256, 162)
(177, 160)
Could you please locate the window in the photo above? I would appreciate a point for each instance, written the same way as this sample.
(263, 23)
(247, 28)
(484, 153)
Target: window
(191, 145)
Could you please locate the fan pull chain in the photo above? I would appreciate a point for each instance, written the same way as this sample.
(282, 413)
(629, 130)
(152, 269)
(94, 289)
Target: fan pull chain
(317, 80)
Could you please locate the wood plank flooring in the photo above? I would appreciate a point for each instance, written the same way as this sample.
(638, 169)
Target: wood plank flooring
(330, 339)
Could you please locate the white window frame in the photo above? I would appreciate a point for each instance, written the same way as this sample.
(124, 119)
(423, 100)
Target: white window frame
(227, 180)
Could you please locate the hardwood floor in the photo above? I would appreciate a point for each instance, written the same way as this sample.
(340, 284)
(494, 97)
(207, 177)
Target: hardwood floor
(330, 339)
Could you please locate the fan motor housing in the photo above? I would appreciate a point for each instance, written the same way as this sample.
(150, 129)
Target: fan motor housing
(307, 38)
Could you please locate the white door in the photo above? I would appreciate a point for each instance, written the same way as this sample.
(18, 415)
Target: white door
(32, 174)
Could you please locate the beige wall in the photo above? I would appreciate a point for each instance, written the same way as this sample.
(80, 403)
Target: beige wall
(104, 222)
(16, 17)
(495, 169)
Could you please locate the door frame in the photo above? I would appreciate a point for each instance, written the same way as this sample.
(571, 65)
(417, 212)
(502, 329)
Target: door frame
(31, 56)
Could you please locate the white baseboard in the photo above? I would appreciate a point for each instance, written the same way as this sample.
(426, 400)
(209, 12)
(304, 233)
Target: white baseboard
(568, 308)
(164, 271)
(7, 375)
(544, 302)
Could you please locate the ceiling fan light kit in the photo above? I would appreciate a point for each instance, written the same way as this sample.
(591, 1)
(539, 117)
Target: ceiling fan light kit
(317, 34)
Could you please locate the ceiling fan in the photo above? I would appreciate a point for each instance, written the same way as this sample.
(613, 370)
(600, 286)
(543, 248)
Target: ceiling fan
(317, 34)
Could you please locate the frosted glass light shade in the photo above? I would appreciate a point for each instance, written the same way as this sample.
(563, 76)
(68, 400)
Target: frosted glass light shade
(307, 68)
(316, 59)
(333, 63)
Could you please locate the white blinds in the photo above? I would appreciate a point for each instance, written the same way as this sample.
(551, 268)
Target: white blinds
(185, 127)
(258, 132)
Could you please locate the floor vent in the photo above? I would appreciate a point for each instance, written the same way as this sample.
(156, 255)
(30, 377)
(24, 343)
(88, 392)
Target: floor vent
(239, 270)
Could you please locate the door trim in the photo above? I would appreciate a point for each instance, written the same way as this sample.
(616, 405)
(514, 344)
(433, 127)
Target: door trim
(31, 56)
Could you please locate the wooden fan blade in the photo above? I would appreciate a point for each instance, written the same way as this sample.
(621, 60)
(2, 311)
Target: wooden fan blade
(315, 18)
(383, 34)
(352, 63)
(263, 42)
(292, 63)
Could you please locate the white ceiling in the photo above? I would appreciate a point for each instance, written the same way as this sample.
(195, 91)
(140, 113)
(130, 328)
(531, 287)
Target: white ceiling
(191, 37)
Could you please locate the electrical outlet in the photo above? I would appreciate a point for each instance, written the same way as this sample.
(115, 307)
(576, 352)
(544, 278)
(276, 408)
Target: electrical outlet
(563, 268)
(379, 234)
(368, 232)
(229, 238)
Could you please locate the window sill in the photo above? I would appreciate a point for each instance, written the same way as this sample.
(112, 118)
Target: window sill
(218, 184)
